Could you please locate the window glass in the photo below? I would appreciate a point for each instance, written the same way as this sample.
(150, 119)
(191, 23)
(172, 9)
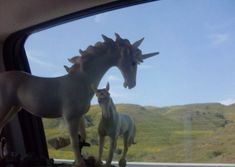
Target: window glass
(184, 100)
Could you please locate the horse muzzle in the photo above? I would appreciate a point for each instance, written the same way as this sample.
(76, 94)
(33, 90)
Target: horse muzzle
(129, 85)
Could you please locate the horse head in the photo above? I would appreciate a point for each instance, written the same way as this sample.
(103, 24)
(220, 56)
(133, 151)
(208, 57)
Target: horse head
(129, 57)
(121, 53)
(104, 100)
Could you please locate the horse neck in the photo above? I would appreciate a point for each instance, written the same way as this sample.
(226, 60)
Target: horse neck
(99, 65)
(112, 107)
(113, 112)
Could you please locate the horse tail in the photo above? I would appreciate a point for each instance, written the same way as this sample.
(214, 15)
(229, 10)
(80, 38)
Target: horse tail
(132, 134)
(133, 138)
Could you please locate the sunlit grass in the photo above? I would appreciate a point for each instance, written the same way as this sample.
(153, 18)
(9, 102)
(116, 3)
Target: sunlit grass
(191, 133)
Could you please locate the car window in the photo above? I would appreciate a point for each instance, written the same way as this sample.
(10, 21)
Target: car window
(183, 103)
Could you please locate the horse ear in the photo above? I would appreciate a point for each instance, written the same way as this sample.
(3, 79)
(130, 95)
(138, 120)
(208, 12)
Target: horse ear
(107, 86)
(67, 68)
(137, 43)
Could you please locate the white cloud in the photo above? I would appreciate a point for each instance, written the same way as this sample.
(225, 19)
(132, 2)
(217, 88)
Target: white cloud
(227, 101)
(116, 94)
(113, 78)
(35, 58)
(145, 67)
(219, 38)
(58, 74)
(98, 18)
(122, 95)
(230, 22)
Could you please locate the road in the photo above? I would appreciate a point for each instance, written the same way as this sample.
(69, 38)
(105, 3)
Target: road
(143, 164)
(153, 164)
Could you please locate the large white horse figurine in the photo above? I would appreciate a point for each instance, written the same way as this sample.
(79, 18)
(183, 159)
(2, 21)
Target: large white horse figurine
(69, 96)
(113, 124)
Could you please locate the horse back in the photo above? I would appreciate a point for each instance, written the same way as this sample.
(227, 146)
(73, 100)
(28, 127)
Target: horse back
(45, 97)
(9, 83)
(127, 122)
(35, 94)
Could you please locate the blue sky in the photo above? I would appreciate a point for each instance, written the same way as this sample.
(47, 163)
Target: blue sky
(196, 41)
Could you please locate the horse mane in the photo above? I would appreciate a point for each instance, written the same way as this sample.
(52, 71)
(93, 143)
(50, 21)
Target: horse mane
(93, 51)
(96, 50)
(100, 47)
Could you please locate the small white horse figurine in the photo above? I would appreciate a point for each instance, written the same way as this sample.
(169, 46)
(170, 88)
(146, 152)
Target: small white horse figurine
(113, 124)
(69, 96)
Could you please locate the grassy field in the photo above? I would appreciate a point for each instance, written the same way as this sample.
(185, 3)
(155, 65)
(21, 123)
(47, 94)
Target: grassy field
(187, 133)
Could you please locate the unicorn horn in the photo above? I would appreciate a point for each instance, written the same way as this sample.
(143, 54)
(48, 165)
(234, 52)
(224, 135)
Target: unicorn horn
(148, 55)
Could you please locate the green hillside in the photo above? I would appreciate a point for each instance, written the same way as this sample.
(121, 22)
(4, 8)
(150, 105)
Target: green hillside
(186, 133)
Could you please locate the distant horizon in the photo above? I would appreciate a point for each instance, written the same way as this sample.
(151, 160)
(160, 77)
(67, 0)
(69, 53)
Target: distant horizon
(203, 103)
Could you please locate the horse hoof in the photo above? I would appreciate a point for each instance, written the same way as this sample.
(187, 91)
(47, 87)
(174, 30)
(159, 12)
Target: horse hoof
(122, 163)
(107, 165)
(79, 164)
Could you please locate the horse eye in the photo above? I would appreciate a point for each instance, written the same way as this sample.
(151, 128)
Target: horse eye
(134, 63)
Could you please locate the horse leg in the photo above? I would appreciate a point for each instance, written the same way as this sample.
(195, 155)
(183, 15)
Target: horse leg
(4, 111)
(112, 147)
(122, 161)
(4, 120)
(73, 126)
(131, 139)
(82, 129)
(7, 115)
(101, 146)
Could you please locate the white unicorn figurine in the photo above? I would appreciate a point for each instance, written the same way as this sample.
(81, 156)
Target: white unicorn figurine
(113, 124)
(69, 96)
